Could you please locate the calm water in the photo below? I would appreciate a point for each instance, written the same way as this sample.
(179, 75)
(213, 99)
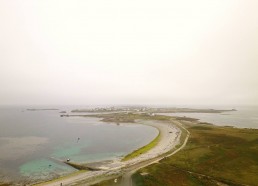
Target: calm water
(32, 142)
(244, 117)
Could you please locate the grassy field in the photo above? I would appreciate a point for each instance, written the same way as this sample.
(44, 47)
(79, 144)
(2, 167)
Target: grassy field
(110, 182)
(128, 118)
(212, 156)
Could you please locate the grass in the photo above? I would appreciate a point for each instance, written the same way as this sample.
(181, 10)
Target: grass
(110, 182)
(128, 118)
(212, 156)
(119, 118)
(137, 180)
(131, 117)
(143, 149)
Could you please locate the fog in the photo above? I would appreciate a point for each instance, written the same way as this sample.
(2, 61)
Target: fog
(128, 52)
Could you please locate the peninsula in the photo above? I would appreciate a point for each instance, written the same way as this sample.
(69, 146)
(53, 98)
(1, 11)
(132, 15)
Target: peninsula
(185, 147)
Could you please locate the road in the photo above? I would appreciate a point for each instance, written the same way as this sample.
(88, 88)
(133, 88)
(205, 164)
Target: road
(127, 177)
(129, 169)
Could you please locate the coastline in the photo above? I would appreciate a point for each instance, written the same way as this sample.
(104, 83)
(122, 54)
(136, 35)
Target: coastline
(169, 138)
(213, 155)
(116, 169)
(143, 149)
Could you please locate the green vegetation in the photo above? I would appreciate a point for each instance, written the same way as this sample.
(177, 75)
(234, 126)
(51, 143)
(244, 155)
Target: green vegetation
(109, 182)
(212, 156)
(143, 149)
(129, 117)
(138, 179)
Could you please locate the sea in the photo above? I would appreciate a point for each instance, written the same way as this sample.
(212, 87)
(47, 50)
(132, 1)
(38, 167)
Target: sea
(243, 117)
(34, 143)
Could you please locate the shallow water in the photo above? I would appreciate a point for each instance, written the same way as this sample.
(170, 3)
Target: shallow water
(33, 142)
(244, 117)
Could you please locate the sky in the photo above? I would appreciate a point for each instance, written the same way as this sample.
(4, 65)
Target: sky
(166, 52)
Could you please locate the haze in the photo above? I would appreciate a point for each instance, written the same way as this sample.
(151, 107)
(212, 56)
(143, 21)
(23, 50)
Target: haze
(128, 52)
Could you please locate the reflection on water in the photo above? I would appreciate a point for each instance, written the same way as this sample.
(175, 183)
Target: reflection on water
(31, 142)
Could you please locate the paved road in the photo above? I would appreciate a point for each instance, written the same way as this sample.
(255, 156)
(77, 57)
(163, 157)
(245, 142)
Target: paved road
(127, 177)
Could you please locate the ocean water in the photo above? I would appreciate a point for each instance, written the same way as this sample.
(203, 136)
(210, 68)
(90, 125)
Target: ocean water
(32, 143)
(244, 117)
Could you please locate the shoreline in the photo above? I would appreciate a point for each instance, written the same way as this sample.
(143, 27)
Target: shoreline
(143, 149)
(169, 138)
(208, 158)
(159, 117)
(112, 173)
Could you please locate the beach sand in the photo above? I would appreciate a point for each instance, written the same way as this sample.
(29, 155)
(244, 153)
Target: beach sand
(169, 138)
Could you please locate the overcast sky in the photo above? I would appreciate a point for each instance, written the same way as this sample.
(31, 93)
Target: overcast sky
(129, 52)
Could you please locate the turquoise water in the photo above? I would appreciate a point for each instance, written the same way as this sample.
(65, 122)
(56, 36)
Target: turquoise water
(33, 144)
(69, 150)
(44, 169)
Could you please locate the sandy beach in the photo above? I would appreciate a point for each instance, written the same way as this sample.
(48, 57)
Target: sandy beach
(169, 138)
